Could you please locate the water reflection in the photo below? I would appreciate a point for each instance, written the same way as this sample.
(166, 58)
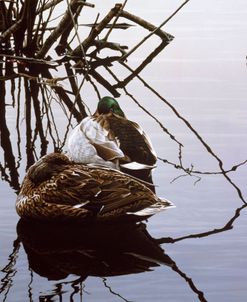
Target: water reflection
(228, 226)
(55, 252)
(9, 157)
(10, 270)
(100, 250)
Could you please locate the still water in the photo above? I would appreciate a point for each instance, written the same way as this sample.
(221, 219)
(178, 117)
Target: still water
(202, 73)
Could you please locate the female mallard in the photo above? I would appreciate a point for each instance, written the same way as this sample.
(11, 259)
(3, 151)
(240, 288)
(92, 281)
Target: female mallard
(109, 138)
(57, 189)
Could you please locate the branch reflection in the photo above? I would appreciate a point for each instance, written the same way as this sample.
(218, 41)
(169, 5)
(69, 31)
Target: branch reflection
(228, 226)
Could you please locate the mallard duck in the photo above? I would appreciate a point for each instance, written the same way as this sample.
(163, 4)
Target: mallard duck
(109, 138)
(56, 189)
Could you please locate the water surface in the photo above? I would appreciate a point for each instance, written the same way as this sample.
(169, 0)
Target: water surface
(202, 73)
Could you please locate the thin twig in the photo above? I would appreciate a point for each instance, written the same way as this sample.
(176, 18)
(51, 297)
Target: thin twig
(198, 136)
(96, 31)
(153, 32)
(115, 21)
(228, 226)
(192, 171)
(56, 33)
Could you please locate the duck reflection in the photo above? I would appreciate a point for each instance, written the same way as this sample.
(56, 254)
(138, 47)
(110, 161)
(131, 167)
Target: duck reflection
(96, 250)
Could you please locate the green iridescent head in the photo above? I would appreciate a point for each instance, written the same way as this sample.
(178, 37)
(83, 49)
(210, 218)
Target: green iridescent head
(108, 104)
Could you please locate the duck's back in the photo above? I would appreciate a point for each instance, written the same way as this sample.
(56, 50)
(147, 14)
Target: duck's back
(57, 189)
(133, 141)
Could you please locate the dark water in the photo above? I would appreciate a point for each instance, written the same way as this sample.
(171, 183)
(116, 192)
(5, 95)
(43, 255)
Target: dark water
(202, 73)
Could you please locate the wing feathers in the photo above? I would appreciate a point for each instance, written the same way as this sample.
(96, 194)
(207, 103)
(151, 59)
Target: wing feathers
(79, 190)
(133, 140)
(98, 133)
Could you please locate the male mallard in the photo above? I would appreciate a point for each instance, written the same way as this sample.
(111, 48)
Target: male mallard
(56, 189)
(109, 138)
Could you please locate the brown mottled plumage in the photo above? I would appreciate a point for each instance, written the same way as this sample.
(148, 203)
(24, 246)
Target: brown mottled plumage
(133, 141)
(57, 189)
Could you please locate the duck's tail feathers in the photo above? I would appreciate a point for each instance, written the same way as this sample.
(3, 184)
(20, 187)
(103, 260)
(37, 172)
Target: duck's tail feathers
(137, 166)
(161, 205)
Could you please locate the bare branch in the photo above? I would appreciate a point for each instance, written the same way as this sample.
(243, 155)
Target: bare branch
(96, 31)
(156, 30)
(56, 33)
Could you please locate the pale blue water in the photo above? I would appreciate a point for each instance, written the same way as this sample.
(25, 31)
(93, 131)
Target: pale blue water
(202, 73)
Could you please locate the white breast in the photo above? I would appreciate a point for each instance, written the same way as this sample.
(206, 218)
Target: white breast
(84, 138)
